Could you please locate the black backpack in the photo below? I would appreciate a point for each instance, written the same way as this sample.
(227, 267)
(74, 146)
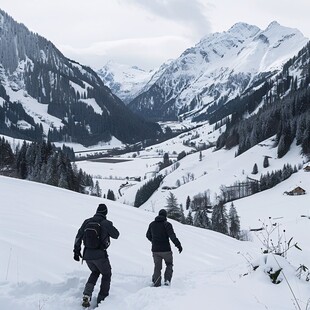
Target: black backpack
(95, 236)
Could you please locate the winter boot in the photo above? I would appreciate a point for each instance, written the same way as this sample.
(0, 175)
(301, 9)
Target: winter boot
(167, 283)
(86, 301)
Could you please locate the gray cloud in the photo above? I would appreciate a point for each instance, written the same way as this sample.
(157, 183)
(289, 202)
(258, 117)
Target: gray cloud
(189, 13)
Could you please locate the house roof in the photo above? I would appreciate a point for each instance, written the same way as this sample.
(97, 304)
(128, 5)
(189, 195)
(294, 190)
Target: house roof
(296, 187)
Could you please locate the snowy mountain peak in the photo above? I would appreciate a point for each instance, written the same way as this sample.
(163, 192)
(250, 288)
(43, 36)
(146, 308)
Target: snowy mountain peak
(127, 82)
(274, 24)
(244, 29)
(238, 31)
(276, 31)
(281, 43)
(220, 67)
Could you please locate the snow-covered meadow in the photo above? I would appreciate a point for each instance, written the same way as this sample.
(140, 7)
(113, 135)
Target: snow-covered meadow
(38, 224)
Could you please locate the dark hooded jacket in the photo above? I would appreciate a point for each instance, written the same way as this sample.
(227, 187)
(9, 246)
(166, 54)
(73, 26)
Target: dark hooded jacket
(159, 233)
(93, 254)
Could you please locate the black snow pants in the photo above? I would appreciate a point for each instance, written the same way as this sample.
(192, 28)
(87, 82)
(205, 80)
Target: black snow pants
(99, 266)
(158, 263)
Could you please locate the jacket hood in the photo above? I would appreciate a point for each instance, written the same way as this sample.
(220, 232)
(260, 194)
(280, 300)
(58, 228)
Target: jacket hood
(160, 218)
(98, 214)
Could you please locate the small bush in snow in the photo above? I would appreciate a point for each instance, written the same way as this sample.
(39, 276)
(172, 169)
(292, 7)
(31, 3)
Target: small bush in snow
(273, 239)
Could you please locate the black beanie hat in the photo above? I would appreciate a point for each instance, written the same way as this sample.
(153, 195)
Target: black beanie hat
(162, 212)
(102, 209)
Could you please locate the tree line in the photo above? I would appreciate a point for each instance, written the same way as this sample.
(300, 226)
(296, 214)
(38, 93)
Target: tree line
(43, 162)
(202, 214)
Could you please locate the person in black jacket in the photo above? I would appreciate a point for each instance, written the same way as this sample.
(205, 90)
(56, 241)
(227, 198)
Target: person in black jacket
(97, 259)
(159, 233)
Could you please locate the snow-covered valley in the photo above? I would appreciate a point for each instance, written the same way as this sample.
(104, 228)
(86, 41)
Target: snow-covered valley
(38, 224)
(243, 130)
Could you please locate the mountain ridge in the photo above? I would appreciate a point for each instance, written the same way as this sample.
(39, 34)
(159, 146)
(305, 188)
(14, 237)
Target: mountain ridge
(33, 67)
(218, 68)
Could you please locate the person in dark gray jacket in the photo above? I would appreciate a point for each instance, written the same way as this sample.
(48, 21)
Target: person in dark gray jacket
(159, 233)
(97, 258)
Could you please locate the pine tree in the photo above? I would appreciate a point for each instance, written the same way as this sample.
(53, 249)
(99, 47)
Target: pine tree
(110, 195)
(201, 218)
(189, 219)
(188, 202)
(21, 162)
(98, 192)
(166, 162)
(220, 218)
(51, 174)
(255, 169)
(7, 158)
(182, 220)
(63, 182)
(173, 211)
(234, 222)
(266, 162)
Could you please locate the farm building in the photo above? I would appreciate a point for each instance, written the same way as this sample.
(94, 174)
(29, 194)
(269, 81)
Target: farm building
(296, 191)
(307, 168)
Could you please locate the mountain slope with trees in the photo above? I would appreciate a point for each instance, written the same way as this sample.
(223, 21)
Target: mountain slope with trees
(281, 107)
(71, 103)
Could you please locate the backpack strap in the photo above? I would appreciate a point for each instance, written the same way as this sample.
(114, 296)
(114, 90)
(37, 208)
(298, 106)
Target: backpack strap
(107, 237)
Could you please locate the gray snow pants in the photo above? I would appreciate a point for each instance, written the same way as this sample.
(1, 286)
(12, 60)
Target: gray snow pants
(99, 266)
(158, 263)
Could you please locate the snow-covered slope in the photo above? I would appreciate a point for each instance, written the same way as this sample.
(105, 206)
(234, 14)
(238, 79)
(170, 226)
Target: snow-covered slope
(37, 270)
(218, 168)
(127, 82)
(219, 68)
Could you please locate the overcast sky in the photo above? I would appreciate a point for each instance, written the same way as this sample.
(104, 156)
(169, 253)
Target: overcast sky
(145, 32)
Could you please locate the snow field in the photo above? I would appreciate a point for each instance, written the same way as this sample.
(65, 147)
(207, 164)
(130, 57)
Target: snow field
(38, 224)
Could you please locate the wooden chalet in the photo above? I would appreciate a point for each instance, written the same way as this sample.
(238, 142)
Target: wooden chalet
(307, 168)
(296, 191)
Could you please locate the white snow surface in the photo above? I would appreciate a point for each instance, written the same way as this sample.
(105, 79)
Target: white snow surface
(38, 224)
